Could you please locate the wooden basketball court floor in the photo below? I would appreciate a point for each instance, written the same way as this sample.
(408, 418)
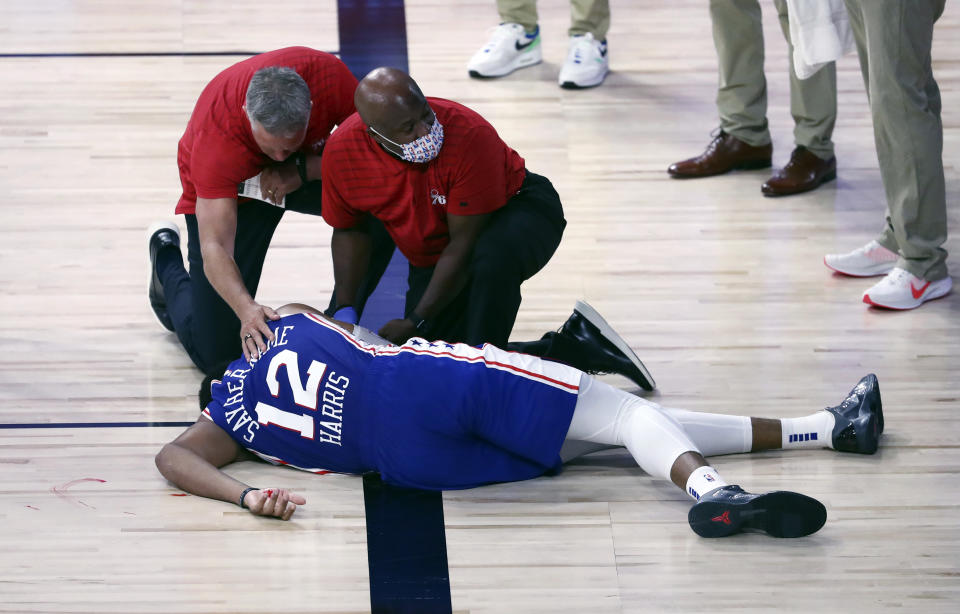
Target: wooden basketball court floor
(721, 291)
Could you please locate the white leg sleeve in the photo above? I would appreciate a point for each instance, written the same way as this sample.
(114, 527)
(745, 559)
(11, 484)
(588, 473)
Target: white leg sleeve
(715, 434)
(606, 415)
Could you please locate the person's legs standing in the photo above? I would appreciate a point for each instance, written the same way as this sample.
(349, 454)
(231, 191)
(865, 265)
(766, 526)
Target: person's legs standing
(905, 106)
(742, 91)
(590, 16)
(813, 104)
(813, 101)
(523, 12)
(744, 138)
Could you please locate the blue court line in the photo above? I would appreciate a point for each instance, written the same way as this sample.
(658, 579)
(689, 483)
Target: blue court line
(90, 425)
(406, 540)
(406, 549)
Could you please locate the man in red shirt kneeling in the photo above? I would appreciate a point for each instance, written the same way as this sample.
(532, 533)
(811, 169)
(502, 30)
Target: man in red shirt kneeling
(460, 204)
(266, 117)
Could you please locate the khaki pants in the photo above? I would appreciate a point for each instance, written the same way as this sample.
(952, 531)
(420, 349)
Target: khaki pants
(591, 16)
(742, 95)
(893, 40)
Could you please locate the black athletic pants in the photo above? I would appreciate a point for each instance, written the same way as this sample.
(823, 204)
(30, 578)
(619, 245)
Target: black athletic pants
(519, 240)
(206, 326)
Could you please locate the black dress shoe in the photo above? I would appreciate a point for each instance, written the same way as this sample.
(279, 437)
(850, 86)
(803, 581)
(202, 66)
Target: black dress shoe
(859, 418)
(728, 510)
(162, 234)
(599, 349)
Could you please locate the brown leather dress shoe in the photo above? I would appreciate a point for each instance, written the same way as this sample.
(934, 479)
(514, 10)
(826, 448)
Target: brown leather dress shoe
(724, 153)
(804, 172)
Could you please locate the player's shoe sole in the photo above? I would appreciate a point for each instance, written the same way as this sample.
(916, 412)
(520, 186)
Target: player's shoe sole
(593, 316)
(778, 514)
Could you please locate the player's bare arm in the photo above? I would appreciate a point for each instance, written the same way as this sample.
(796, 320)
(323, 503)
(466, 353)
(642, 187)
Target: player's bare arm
(192, 463)
(351, 249)
(449, 275)
(217, 225)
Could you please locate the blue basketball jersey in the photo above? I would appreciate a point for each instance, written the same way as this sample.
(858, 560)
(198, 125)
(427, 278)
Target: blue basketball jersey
(301, 403)
(429, 415)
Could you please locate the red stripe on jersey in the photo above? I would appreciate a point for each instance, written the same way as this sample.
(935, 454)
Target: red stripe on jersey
(277, 461)
(524, 372)
(394, 350)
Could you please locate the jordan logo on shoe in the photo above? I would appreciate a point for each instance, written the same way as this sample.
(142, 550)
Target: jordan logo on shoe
(918, 291)
(724, 518)
(524, 46)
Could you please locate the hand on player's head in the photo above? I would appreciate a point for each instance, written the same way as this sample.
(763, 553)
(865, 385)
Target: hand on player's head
(274, 502)
(254, 330)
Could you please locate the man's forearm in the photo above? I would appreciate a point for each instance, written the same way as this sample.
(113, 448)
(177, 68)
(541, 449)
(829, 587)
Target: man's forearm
(222, 272)
(313, 164)
(351, 258)
(448, 279)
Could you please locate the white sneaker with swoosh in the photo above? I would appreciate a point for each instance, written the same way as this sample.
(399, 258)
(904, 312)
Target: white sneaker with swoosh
(509, 48)
(867, 261)
(587, 63)
(902, 290)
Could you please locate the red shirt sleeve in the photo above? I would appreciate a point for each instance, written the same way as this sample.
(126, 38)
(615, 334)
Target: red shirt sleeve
(481, 176)
(219, 167)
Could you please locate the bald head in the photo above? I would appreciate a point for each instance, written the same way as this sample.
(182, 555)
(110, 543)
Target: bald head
(387, 99)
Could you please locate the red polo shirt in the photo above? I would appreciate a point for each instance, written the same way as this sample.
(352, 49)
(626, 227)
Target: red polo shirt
(217, 150)
(476, 172)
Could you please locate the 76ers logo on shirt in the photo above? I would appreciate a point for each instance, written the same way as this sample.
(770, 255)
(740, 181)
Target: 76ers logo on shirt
(436, 198)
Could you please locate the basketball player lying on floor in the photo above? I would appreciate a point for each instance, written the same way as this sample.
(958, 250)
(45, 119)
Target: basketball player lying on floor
(439, 416)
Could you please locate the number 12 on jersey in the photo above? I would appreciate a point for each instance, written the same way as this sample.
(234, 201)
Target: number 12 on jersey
(306, 396)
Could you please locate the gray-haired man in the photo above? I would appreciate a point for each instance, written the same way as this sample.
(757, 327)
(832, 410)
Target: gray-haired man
(269, 116)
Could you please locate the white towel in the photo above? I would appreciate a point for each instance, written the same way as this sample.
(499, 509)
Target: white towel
(820, 33)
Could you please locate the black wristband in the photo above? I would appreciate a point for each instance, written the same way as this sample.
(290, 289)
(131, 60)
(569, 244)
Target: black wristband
(300, 159)
(419, 322)
(244, 494)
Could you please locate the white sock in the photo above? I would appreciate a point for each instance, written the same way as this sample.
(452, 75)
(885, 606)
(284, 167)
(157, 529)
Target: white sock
(814, 431)
(702, 481)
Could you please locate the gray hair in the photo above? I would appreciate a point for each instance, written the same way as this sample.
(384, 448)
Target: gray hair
(279, 100)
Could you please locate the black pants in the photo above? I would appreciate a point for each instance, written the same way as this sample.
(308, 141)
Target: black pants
(519, 240)
(206, 326)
